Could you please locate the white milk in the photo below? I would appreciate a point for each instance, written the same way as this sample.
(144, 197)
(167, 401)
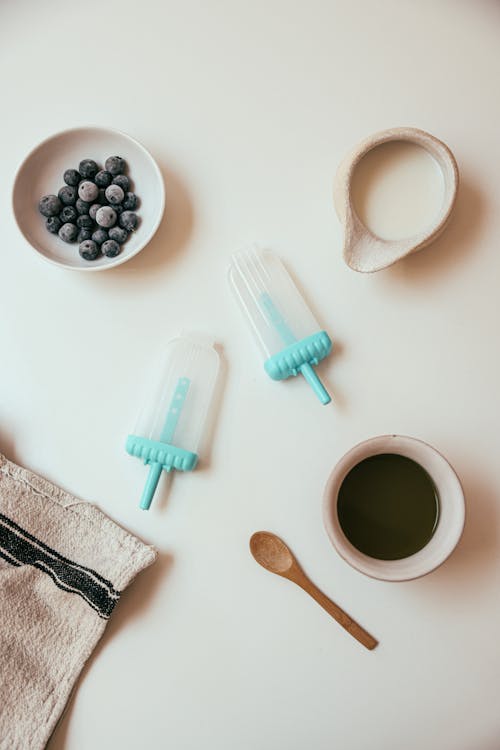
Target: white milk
(397, 190)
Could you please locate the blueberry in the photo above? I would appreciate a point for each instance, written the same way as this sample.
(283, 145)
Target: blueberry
(115, 165)
(50, 205)
(72, 177)
(68, 214)
(85, 222)
(110, 248)
(88, 191)
(68, 195)
(118, 235)
(128, 220)
(118, 209)
(106, 217)
(84, 234)
(123, 181)
(93, 210)
(83, 207)
(53, 224)
(88, 169)
(68, 232)
(114, 195)
(130, 202)
(103, 179)
(100, 236)
(89, 250)
(101, 197)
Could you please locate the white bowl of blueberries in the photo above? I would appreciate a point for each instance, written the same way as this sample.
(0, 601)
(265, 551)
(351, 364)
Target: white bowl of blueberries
(88, 199)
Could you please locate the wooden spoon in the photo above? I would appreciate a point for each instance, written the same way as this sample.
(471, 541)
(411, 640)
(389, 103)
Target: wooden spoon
(273, 554)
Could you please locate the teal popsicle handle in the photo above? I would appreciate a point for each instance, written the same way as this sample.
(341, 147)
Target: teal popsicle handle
(281, 326)
(154, 475)
(316, 384)
(173, 414)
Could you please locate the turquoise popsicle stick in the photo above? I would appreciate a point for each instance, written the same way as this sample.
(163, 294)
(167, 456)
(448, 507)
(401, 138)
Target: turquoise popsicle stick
(280, 324)
(316, 384)
(276, 318)
(149, 490)
(174, 410)
(167, 434)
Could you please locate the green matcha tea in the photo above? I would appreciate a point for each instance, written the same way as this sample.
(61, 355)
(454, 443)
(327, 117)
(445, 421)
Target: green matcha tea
(388, 506)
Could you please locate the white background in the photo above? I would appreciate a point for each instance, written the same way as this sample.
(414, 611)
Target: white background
(249, 107)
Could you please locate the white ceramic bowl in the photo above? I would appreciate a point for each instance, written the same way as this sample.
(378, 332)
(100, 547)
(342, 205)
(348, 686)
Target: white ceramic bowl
(451, 509)
(42, 172)
(363, 250)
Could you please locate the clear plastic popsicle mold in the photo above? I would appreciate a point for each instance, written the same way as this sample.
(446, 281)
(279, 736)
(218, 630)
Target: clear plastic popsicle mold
(287, 333)
(170, 426)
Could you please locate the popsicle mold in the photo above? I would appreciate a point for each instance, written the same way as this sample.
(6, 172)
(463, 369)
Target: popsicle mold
(289, 337)
(169, 429)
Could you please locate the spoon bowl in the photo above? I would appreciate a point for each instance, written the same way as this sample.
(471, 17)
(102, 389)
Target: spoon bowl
(271, 552)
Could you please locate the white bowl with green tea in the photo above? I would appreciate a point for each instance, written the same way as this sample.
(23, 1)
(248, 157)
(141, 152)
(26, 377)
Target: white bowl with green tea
(394, 508)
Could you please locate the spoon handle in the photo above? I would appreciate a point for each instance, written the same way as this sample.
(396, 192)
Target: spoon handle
(337, 613)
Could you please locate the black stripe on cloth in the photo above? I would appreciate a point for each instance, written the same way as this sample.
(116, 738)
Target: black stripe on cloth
(20, 548)
(53, 552)
(9, 559)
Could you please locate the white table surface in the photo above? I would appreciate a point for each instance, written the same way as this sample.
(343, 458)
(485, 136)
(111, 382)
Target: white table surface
(248, 107)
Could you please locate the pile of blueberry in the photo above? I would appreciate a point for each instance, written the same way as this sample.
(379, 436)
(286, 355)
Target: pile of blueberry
(94, 208)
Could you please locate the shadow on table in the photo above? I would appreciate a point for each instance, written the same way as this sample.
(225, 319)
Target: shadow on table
(7, 446)
(452, 247)
(476, 552)
(132, 604)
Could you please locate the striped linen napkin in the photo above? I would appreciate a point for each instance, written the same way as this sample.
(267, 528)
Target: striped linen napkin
(63, 566)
